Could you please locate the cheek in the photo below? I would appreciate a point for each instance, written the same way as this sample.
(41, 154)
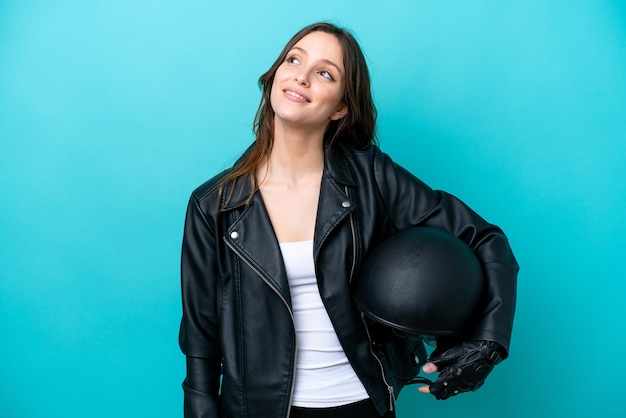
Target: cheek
(334, 97)
(333, 92)
(279, 77)
(281, 74)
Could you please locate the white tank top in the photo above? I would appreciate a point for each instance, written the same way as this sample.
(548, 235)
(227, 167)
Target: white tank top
(324, 377)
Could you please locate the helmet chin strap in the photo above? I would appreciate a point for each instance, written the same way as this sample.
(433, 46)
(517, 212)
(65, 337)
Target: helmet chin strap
(420, 380)
(420, 361)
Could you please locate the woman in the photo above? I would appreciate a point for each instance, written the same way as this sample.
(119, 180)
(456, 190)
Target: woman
(272, 245)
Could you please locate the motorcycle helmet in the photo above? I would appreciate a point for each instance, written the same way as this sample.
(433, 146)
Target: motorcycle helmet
(421, 281)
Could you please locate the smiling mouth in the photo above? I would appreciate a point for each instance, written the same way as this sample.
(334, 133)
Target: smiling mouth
(296, 95)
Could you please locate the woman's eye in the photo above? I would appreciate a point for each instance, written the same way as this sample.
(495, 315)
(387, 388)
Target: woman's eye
(292, 60)
(327, 75)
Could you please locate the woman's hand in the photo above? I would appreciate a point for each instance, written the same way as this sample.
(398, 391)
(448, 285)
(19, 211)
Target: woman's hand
(428, 368)
(463, 368)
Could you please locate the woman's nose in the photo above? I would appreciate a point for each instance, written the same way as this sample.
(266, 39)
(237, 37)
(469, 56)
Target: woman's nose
(302, 79)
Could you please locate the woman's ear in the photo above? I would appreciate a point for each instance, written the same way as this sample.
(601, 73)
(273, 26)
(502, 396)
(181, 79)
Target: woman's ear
(341, 111)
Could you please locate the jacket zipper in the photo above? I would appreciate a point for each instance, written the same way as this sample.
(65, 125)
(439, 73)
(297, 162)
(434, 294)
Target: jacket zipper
(353, 241)
(390, 389)
(293, 321)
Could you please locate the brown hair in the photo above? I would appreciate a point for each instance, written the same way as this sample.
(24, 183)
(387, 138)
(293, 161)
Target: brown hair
(356, 129)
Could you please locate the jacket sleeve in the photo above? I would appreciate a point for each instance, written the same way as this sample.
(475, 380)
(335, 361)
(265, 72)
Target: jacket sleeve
(410, 202)
(199, 337)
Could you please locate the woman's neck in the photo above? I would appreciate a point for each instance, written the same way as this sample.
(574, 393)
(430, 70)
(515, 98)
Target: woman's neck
(296, 156)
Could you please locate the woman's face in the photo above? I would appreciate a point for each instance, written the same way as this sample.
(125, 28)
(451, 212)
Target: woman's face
(308, 86)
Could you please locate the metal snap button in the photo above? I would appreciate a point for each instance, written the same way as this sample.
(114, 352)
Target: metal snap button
(234, 235)
(345, 204)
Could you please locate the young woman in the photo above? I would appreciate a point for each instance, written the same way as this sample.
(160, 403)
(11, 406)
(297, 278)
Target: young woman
(272, 246)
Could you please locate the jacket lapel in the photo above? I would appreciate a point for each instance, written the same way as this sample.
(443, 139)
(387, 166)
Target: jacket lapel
(252, 236)
(334, 201)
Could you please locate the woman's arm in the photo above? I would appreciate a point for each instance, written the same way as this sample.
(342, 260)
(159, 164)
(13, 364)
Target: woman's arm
(410, 202)
(199, 338)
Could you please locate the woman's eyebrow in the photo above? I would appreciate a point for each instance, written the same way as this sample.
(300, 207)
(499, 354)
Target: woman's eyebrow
(327, 61)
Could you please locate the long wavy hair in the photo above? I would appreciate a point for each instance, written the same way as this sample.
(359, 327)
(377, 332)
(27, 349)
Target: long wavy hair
(356, 129)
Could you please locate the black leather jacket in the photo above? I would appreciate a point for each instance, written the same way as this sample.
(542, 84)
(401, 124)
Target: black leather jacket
(237, 321)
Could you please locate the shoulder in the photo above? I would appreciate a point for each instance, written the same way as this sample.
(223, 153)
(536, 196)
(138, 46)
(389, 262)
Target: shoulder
(367, 152)
(355, 158)
(370, 158)
(207, 198)
(210, 188)
(371, 154)
(356, 166)
(216, 188)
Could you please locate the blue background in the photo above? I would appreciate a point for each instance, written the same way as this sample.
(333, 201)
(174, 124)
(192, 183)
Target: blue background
(112, 111)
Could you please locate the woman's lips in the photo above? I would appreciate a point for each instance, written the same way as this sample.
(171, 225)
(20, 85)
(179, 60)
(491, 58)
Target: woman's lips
(296, 96)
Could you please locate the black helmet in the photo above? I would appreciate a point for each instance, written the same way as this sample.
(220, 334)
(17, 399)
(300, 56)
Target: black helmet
(421, 281)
